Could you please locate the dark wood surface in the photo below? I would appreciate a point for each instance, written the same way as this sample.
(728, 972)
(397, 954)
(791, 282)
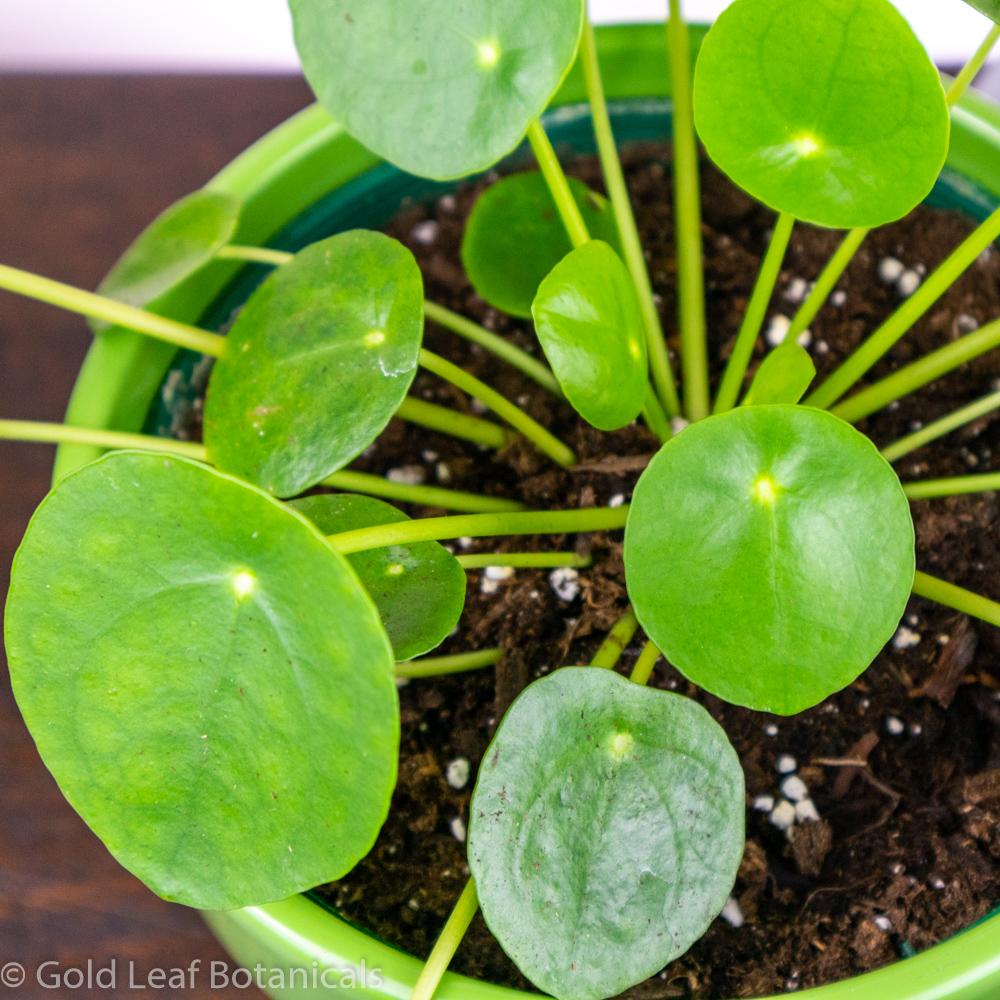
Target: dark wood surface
(84, 164)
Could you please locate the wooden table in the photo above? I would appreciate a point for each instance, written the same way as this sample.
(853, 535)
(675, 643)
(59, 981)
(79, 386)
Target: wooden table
(85, 163)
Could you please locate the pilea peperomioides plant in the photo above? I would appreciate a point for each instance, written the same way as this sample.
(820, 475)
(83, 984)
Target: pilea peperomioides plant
(206, 657)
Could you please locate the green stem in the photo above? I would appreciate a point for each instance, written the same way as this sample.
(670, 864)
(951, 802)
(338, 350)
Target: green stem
(456, 663)
(958, 598)
(447, 944)
(98, 307)
(687, 215)
(753, 320)
(918, 373)
(530, 522)
(453, 423)
(827, 281)
(945, 425)
(929, 489)
(425, 496)
(970, 71)
(643, 668)
(545, 442)
(562, 195)
(655, 417)
(495, 344)
(46, 433)
(255, 255)
(356, 482)
(523, 560)
(901, 321)
(628, 232)
(616, 641)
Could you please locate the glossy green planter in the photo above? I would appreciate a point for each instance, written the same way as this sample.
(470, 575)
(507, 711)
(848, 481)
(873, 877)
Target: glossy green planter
(307, 179)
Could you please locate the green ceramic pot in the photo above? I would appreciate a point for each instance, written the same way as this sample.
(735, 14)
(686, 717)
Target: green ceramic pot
(308, 179)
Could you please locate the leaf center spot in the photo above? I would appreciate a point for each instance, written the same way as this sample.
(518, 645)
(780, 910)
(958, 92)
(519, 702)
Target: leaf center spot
(374, 338)
(765, 490)
(244, 584)
(620, 745)
(635, 349)
(487, 54)
(806, 145)
(396, 569)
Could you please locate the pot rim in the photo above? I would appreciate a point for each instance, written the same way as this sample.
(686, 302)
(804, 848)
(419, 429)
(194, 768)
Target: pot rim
(277, 179)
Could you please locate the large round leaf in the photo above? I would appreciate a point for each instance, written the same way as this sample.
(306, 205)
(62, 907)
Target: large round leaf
(419, 590)
(440, 89)
(831, 110)
(175, 246)
(606, 830)
(317, 362)
(514, 237)
(769, 554)
(206, 679)
(590, 328)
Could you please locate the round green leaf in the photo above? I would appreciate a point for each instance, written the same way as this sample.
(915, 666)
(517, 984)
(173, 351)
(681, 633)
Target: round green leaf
(514, 237)
(590, 328)
(439, 89)
(206, 679)
(831, 110)
(606, 829)
(769, 553)
(317, 362)
(419, 590)
(175, 246)
(783, 376)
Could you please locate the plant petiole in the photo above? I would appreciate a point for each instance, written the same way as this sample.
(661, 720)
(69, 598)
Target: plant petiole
(687, 213)
(946, 424)
(918, 373)
(644, 665)
(524, 560)
(903, 319)
(453, 423)
(957, 598)
(455, 663)
(628, 232)
(99, 307)
(555, 177)
(753, 319)
(529, 522)
(929, 489)
(971, 69)
(255, 255)
(616, 641)
(529, 428)
(447, 944)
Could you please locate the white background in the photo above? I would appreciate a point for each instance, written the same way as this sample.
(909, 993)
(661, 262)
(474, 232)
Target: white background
(255, 35)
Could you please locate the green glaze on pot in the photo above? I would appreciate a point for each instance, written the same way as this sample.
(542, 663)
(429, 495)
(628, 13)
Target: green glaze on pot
(307, 168)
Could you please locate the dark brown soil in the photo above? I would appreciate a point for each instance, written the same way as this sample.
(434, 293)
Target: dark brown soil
(906, 849)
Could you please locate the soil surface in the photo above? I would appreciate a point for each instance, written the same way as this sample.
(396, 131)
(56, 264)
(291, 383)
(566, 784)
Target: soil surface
(900, 847)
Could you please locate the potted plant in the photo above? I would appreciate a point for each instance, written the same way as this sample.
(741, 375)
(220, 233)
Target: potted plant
(207, 652)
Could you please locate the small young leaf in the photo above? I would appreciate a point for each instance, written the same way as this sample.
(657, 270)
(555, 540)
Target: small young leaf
(991, 8)
(830, 111)
(606, 828)
(590, 328)
(317, 362)
(769, 553)
(419, 590)
(206, 679)
(783, 376)
(514, 237)
(176, 245)
(439, 89)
